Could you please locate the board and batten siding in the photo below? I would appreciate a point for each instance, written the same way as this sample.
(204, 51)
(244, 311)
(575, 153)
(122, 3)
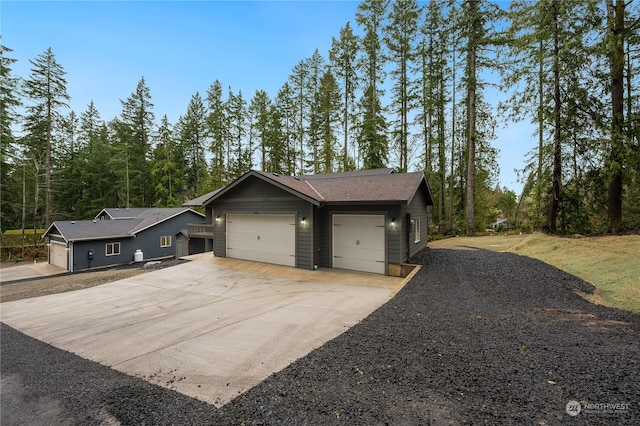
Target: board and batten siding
(254, 196)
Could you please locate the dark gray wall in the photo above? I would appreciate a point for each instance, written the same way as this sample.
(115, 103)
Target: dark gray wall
(254, 196)
(148, 241)
(324, 231)
(417, 209)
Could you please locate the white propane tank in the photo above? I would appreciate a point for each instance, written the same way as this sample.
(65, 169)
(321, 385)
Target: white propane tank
(138, 256)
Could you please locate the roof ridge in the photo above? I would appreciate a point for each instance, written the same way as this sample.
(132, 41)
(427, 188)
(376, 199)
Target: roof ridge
(314, 189)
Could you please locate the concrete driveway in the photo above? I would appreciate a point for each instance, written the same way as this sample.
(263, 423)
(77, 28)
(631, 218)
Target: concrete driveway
(25, 272)
(211, 328)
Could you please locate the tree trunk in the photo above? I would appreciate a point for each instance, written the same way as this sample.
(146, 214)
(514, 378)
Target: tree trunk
(616, 58)
(471, 120)
(557, 143)
(47, 168)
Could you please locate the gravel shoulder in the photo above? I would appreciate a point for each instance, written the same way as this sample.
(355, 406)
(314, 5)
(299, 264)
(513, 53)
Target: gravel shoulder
(475, 337)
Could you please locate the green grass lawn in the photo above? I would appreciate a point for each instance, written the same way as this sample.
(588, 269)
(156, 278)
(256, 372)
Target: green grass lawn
(610, 263)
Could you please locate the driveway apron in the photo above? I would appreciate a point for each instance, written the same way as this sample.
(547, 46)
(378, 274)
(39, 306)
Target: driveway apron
(207, 328)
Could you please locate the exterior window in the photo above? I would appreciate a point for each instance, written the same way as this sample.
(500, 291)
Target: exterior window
(113, 249)
(165, 241)
(416, 229)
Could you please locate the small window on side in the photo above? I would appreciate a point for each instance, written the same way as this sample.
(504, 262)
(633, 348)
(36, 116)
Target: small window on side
(165, 241)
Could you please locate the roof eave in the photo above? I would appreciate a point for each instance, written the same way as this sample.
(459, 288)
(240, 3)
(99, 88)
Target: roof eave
(165, 219)
(107, 237)
(53, 225)
(423, 179)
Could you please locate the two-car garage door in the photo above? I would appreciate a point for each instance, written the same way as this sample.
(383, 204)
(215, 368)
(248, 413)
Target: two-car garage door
(359, 242)
(269, 238)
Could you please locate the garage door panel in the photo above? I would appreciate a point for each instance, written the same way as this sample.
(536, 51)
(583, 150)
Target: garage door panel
(359, 243)
(58, 254)
(262, 238)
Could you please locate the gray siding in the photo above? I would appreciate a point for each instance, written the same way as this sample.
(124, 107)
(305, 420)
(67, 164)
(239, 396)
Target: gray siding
(254, 196)
(148, 241)
(417, 209)
(324, 232)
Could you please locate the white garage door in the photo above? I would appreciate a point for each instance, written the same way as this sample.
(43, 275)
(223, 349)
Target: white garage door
(358, 242)
(58, 254)
(269, 238)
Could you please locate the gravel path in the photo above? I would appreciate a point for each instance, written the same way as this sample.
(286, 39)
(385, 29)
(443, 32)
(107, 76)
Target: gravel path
(476, 337)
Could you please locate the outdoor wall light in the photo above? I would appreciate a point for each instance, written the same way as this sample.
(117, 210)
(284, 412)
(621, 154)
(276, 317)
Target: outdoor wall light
(304, 220)
(218, 218)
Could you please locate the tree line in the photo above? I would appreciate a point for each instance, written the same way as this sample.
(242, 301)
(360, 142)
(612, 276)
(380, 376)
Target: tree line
(405, 88)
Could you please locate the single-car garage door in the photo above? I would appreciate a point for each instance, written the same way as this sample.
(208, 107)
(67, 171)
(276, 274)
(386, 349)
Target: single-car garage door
(58, 254)
(358, 242)
(269, 238)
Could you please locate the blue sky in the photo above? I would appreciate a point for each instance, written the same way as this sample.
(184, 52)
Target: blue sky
(182, 47)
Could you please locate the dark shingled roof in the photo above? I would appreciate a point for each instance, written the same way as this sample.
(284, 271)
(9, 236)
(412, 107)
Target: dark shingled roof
(373, 186)
(124, 223)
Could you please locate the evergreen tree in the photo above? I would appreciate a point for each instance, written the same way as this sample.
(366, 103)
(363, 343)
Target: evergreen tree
(285, 106)
(615, 42)
(259, 110)
(343, 56)
(218, 129)
(136, 133)
(373, 139)
(97, 175)
(165, 167)
(298, 83)
(9, 161)
(277, 160)
(400, 35)
(373, 135)
(240, 155)
(316, 66)
(68, 186)
(46, 88)
(430, 119)
(193, 139)
(328, 109)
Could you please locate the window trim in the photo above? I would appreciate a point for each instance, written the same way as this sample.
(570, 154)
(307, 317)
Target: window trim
(113, 249)
(416, 230)
(163, 241)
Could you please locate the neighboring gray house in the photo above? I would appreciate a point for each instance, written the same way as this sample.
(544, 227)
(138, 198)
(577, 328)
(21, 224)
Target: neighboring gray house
(501, 225)
(115, 235)
(369, 220)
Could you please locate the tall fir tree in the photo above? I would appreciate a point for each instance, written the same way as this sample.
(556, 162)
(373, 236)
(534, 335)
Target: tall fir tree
(401, 32)
(9, 161)
(46, 88)
(218, 129)
(165, 171)
(343, 56)
(194, 137)
(373, 138)
(137, 123)
(328, 109)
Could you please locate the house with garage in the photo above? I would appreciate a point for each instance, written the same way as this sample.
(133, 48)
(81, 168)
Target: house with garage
(368, 220)
(117, 236)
